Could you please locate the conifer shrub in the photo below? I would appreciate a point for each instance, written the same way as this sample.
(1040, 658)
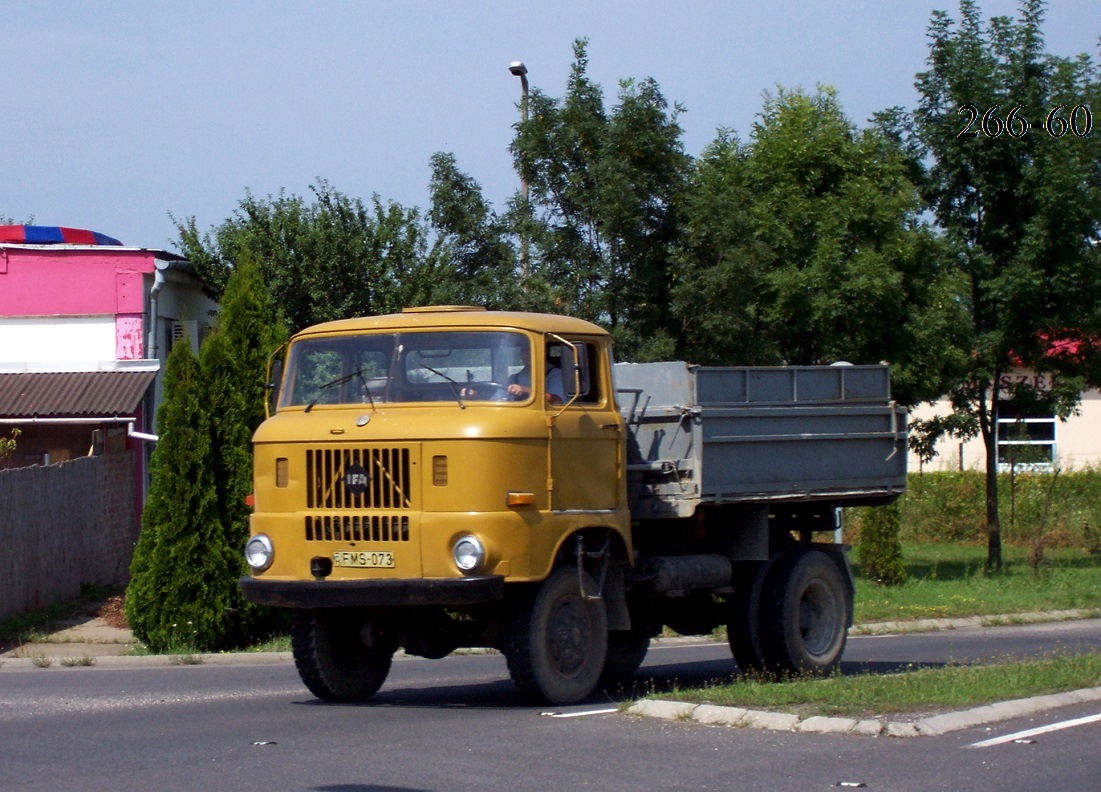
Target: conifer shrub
(178, 597)
(879, 551)
(234, 361)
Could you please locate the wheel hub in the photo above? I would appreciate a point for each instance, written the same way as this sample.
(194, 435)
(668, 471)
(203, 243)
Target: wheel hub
(569, 636)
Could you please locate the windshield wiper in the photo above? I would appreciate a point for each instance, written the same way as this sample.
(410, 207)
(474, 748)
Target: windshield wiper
(454, 384)
(340, 381)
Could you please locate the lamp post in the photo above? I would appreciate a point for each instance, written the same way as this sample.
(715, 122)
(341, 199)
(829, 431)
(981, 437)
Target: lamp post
(518, 69)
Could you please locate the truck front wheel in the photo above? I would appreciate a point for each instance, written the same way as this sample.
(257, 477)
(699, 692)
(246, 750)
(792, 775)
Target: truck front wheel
(556, 647)
(804, 619)
(332, 659)
(626, 651)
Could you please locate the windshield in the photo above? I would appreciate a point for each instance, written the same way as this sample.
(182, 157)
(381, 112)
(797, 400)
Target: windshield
(454, 366)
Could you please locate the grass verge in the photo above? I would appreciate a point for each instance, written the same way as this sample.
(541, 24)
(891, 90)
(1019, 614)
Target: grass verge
(948, 580)
(922, 690)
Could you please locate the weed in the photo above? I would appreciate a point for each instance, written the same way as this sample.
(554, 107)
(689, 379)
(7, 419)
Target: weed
(75, 662)
(41, 661)
(187, 658)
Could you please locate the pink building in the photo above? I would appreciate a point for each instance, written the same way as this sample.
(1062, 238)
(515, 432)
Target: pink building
(85, 326)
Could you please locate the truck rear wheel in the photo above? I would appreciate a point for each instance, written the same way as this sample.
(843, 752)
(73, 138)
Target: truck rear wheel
(556, 648)
(332, 659)
(804, 615)
(743, 626)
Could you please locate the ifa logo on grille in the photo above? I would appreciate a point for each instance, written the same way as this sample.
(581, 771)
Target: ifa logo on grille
(356, 479)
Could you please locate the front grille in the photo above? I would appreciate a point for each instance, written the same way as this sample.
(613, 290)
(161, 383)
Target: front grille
(388, 483)
(367, 528)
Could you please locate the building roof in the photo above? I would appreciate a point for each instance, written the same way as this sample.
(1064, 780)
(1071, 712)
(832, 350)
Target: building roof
(72, 394)
(53, 235)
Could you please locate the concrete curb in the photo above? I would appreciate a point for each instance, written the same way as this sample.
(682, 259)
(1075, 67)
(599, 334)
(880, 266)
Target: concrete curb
(47, 661)
(960, 623)
(932, 726)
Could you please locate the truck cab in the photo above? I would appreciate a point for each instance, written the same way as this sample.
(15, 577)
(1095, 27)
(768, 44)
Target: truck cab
(417, 465)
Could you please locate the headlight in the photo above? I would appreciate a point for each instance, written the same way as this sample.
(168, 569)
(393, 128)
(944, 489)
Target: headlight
(259, 552)
(469, 553)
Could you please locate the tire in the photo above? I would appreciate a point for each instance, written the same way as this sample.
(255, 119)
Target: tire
(557, 646)
(626, 651)
(804, 615)
(331, 658)
(743, 626)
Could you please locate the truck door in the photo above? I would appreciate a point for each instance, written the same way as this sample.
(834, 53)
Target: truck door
(586, 429)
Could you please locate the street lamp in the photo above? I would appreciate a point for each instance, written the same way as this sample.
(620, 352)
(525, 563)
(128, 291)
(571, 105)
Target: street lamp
(518, 69)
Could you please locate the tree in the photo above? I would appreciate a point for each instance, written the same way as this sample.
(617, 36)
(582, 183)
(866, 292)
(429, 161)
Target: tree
(720, 264)
(807, 245)
(177, 596)
(605, 188)
(331, 258)
(474, 249)
(233, 361)
(1020, 209)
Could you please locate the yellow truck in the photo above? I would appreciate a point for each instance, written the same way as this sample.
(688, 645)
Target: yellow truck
(453, 477)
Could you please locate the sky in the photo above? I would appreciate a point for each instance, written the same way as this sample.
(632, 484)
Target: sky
(120, 115)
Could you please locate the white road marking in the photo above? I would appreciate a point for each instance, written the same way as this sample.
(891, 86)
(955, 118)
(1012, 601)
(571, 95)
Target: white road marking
(1022, 735)
(580, 714)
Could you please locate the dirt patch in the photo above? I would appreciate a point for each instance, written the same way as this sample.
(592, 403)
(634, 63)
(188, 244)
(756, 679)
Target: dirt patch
(113, 611)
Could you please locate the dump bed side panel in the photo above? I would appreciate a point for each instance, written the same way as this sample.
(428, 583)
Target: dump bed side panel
(727, 435)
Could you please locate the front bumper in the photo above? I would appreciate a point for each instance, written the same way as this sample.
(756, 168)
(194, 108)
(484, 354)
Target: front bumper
(373, 593)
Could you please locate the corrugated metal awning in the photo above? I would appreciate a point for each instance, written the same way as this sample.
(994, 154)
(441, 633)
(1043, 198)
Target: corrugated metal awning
(72, 394)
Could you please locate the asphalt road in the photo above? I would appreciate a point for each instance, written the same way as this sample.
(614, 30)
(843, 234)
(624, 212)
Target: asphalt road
(458, 724)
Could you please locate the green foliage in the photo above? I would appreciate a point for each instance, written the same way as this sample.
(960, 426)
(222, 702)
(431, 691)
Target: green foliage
(476, 258)
(806, 245)
(604, 186)
(721, 264)
(7, 446)
(180, 591)
(880, 550)
(950, 507)
(331, 258)
(233, 361)
(1020, 213)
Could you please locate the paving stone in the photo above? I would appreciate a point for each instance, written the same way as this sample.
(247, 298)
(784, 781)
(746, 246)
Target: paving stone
(824, 725)
(778, 721)
(668, 710)
(902, 729)
(868, 728)
(724, 716)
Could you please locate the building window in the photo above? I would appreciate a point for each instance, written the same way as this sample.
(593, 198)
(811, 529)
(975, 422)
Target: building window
(1026, 441)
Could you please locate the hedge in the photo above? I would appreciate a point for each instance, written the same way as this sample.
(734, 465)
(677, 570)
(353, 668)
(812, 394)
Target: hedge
(950, 507)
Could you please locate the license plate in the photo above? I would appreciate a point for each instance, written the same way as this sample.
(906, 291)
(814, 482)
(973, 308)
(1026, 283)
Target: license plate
(364, 559)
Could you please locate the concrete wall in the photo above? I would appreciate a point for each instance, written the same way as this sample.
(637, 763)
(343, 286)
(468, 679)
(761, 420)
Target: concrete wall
(62, 526)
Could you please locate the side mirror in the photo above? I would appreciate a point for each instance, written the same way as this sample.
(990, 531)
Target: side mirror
(571, 378)
(275, 378)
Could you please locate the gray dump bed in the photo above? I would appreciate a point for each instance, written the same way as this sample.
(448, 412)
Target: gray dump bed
(728, 435)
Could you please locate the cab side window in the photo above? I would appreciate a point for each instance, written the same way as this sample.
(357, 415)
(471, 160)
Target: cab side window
(561, 364)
